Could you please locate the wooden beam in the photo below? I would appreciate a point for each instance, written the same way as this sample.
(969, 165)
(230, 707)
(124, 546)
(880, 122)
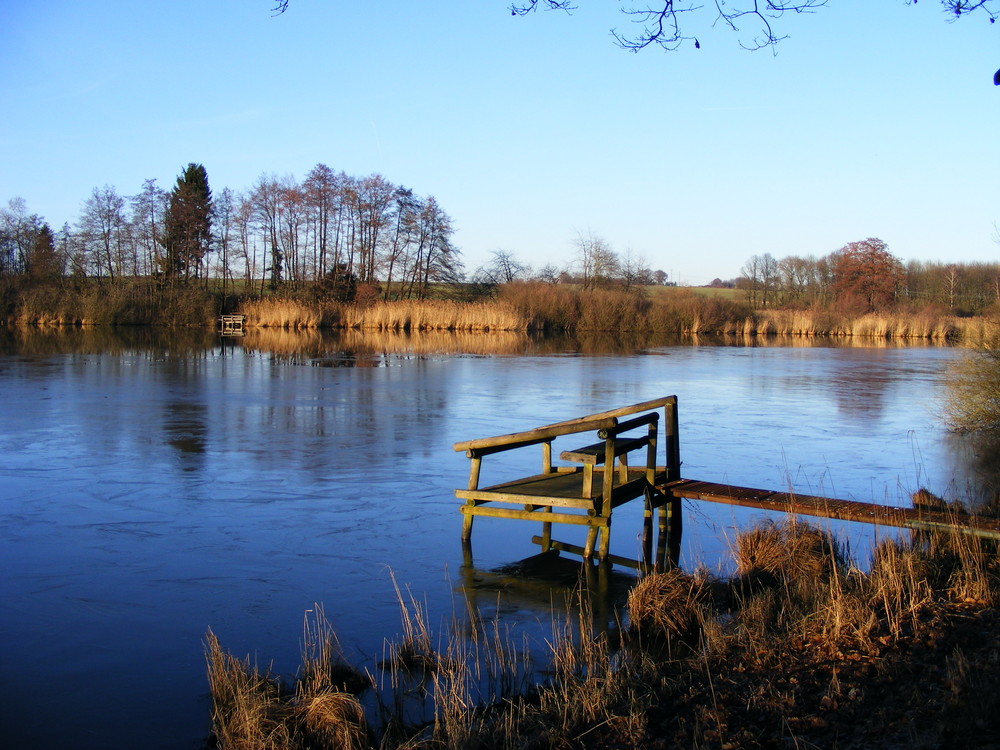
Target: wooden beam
(534, 515)
(827, 507)
(577, 550)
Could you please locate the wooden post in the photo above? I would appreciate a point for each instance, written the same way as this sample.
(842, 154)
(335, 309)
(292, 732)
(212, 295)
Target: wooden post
(647, 527)
(651, 453)
(673, 520)
(661, 538)
(607, 489)
(547, 533)
(588, 548)
(475, 463)
(674, 528)
(673, 440)
(547, 469)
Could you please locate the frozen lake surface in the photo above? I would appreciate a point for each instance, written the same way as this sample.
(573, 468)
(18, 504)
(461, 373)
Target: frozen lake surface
(147, 494)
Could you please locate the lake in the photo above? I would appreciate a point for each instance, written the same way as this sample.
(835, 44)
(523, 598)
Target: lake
(153, 489)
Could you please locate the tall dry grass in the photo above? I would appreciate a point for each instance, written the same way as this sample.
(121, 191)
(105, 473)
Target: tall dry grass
(118, 303)
(272, 312)
(797, 631)
(435, 315)
(906, 325)
(252, 708)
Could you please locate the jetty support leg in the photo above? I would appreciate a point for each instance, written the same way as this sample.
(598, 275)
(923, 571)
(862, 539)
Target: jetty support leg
(474, 467)
(605, 532)
(647, 527)
(674, 530)
(467, 528)
(588, 549)
(547, 532)
(661, 538)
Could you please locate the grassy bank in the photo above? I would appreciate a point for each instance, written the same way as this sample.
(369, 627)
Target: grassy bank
(799, 648)
(565, 308)
(516, 307)
(90, 302)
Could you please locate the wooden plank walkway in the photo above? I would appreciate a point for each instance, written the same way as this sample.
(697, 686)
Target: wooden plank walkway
(917, 518)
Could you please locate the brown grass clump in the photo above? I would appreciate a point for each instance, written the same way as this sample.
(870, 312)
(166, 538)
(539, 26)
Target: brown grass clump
(792, 551)
(898, 585)
(668, 604)
(334, 719)
(247, 711)
(251, 710)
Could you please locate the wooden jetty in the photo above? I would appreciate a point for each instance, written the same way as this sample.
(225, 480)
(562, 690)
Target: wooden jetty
(597, 478)
(231, 325)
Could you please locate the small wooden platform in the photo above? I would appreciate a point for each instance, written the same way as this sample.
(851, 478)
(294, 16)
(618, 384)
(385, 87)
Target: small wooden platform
(916, 518)
(231, 325)
(584, 493)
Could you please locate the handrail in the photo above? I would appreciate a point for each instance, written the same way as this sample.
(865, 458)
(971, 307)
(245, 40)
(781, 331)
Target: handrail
(630, 424)
(621, 412)
(540, 434)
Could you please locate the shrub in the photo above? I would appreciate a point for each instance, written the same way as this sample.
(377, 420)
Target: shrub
(973, 400)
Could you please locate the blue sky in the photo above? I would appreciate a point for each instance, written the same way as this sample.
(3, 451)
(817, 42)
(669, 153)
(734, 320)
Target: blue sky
(875, 118)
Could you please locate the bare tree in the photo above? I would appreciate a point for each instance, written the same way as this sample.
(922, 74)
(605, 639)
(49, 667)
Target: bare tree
(373, 204)
(548, 274)
(503, 268)
(325, 198)
(14, 237)
(147, 211)
(225, 218)
(635, 270)
(102, 226)
(266, 200)
(750, 280)
(599, 264)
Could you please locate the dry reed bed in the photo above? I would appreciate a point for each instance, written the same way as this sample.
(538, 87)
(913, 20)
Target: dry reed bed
(808, 323)
(272, 312)
(798, 647)
(435, 315)
(524, 307)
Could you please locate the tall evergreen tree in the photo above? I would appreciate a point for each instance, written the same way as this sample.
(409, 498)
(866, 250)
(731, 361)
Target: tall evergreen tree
(188, 224)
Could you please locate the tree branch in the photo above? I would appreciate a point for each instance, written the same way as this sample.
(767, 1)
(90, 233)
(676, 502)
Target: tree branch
(661, 24)
(528, 7)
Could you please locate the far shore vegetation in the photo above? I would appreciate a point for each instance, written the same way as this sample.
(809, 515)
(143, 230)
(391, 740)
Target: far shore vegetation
(340, 251)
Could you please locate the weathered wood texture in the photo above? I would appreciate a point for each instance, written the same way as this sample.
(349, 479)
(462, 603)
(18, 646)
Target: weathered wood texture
(825, 507)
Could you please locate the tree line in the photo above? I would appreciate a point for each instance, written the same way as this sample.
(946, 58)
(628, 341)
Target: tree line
(330, 231)
(864, 276)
